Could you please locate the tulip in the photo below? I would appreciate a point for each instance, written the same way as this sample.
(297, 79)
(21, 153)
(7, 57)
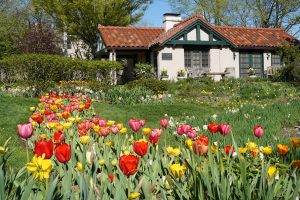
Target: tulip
(134, 195)
(2, 150)
(173, 151)
(32, 109)
(134, 125)
(102, 122)
(177, 170)
(295, 142)
(47, 112)
(242, 150)
(67, 125)
(164, 122)
(213, 128)
(283, 149)
(146, 131)
(58, 137)
(229, 150)
(214, 148)
(25, 131)
(85, 139)
(128, 164)
(251, 146)
(142, 122)
(102, 162)
(89, 157)
(79, 166)
(200, 145)
(224, 129)
(258, 131)
(189, 144)
(192, 133)
(63, 153)
(65, 114)
(59, 127)
(266, 150)
(40, 167)
(104, 131)
(255, 152)
(40, 119)
(111, 177)
(123, 130)
(153, 139)
(114, 129)
(296, 164)
(271, 171)
(44, 147)
(140, 147)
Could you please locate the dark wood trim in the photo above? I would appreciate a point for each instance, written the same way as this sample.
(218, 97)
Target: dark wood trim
(211, 43)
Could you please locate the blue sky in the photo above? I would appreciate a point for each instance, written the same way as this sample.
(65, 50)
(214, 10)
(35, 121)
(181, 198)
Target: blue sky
(154, 14)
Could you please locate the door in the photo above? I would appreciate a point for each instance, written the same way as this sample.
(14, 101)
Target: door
(253, 60)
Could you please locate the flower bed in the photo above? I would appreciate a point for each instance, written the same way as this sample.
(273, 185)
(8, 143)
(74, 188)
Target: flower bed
(78, 154)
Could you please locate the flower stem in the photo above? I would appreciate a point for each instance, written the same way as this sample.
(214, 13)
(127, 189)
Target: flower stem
(128, 186)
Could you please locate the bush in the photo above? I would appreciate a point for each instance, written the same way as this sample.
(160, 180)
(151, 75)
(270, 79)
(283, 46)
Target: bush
(44, 68)
(156, 86)
(291, 58)
(144, 71)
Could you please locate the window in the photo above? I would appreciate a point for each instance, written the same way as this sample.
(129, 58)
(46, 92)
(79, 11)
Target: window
(276, 60)
(251, 59)
(196, 59)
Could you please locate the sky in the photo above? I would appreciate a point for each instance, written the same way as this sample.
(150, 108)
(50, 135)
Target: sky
(154, 14)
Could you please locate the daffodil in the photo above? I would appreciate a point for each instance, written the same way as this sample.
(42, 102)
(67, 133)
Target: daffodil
(178, 170)
(40, 167)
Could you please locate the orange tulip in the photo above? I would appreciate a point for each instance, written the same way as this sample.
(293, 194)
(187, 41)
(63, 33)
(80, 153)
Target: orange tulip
(295, 142)
(283, 149)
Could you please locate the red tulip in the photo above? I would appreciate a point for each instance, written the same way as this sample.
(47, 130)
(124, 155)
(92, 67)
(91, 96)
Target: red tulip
(224, 129)
(25, 130)
(128, 164)
(258, 131)
(213, 128)
(40, 119)
(58, 137)
(47, 112)
(200, 145)
(82, 132)
(164, 122)
(65, 114)
(87, 106)
(111, 177)
(44, 147)
(134, 125)
(104, 131)
(140, 147)
(63, 153)
(153, 139)
(229, 149)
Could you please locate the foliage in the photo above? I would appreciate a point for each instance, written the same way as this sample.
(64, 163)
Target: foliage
(164, 72)
(181, 73)
(81, 18)
(42, 68)
(156, 86)
(144, 71)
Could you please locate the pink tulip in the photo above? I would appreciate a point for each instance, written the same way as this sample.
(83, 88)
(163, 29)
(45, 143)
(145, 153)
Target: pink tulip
(156, 132)
(102, 122)
(180, 130)
(164, 122)
(67, 108)
(114, 129)
(25, 130)
(51, 117)
(258, 131)
(134, 125)
(142, 122)
(186, 128)
(224, 129)
(192, 133)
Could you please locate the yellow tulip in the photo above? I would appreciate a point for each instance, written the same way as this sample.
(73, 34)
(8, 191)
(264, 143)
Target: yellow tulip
(242, 150)
(34, 124)
(271, 171)
(79, 166)
(67, 125)
(120, 126)
(108, 143)
(146, 131)
(40, 167)
(189, 142)
(96, 128)
(126, 152)
(59, 127)
(178, 170)
(43, 136)
(85, 139)
(42, 111)
(51, 125)
(32, 109)
(295, 142)
(251, 146)
(102, 162)
(134, 195)
(123, 130)
(71, 119)
(214, 148)
(40, 104)
(114, 162)
(267, 150)
(173, 151)
(78, 119)
(53, 108)
(2, 150)
(59, 115)
(110, 122)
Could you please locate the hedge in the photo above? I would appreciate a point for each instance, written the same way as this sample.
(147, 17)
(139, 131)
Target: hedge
(41, 67)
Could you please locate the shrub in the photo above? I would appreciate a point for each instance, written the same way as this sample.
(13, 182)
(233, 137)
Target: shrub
(156, 86)
(144, 70)
(44, 68)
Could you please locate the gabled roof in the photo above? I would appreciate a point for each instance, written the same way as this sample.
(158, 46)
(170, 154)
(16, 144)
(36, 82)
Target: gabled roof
(119, 36)
(255, 37)
(240, 37)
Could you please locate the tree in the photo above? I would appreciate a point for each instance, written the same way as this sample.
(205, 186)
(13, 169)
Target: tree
(80, 18)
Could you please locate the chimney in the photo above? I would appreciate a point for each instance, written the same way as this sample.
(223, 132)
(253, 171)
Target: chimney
(170, 19)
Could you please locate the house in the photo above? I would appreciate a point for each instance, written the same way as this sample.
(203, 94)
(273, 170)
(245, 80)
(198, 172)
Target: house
(194, 45)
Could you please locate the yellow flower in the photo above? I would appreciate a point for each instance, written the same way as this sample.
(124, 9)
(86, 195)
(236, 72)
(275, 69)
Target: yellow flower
(78, 119)
(51, 125)
(114, 162)
(102, 162)
(110, 122)
(178, 170)
(251, 146)
(108, 143)
(67, 125)
(81, 106)
(242, 150)
(120, 126)
(189, 142)
(96, 128)
(71, 119)
(79, 166)
(146, 131)
(40, 167)
(42, 111)
(53, 107)
(59, 115)
(267, 150)
(59, 127)
(123, 130)
(40, 104)
(34, 124)
(271, 171)
(43, 136)
(134, 195)
(2, 150)
(129, 140)
(295, 142)
(32, 109)
(214, 148)
(173, 151)
(85, 139)
(126, 152)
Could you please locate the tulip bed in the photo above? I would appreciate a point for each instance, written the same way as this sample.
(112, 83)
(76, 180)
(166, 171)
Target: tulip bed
(77, 154)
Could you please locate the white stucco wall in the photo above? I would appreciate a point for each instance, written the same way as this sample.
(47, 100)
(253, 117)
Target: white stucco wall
(173, 65)
(192, 35)
(204, 36)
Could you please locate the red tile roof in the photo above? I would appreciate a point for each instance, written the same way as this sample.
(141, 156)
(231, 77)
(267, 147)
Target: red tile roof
(255, 37)
(115, 36)
(118, 36)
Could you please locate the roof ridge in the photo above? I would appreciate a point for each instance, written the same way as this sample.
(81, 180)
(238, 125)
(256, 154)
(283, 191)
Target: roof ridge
(247, 27)
(130, 27)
